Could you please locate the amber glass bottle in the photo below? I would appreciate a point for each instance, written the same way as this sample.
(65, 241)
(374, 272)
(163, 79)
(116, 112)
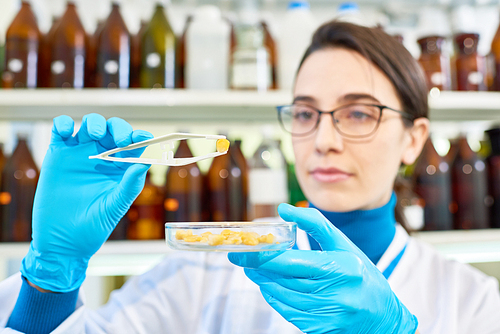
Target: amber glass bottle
(158, 52)
(493, 164)
(469, 188)
(22, 45)
(432, 182)
(135, 56)
(45, 56)
(146, 215)
(181, 55)
(113, 52)
(238, 180)
(495, 52)
(273, 58)
(67, 66)
(3, 160)
(19, 179)
(183, 190)
(470, 66)
(435, 64)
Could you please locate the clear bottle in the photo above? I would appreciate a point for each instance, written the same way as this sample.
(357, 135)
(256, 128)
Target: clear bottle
(250, 60)
(432, 182)
(469, 188)
(19, 180)
(267, 178)
(67, 66)
(184, 190)
(207, 50)
(22, 47)
(158, 52)
(113, 52)
(146, 216)
(470, 66)
(295, 36)
(434, 62)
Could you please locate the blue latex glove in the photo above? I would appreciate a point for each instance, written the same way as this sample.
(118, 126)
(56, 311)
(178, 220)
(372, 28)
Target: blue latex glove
(78, 200)
(337, 290)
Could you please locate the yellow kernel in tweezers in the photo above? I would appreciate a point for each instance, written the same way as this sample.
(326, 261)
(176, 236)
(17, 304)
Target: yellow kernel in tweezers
(222, 145)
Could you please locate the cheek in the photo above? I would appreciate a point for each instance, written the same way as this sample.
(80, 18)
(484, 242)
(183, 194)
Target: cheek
(302, 148)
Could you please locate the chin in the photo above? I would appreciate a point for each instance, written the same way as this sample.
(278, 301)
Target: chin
(333, 200)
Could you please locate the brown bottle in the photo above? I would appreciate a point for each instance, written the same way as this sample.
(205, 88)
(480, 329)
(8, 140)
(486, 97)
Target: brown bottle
(493, 166)
(135, 56)
(432, 182)
(22, 47)
(238, 184)
(3, 160)
(469, 188)
(183, 190)
(271, 47)
(113, 52)
(146, 216)
(67, 66)
(19, 179)
(470, 66)
(181, 54)
(495, 52)
(91, 56)
(45, 55)
(435, 64)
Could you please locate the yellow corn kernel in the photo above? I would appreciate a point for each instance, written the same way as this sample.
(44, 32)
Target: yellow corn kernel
(204, 239)
(250, 241)
(181, 234)
(215, 239)
(222, 145)
(234, 240)
(226, 232)
(192, 238)
(206, 234)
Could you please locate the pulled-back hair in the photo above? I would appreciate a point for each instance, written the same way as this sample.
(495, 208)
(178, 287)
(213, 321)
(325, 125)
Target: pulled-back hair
(385, 52)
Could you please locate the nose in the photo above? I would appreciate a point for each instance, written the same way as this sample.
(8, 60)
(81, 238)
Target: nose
(328, 139)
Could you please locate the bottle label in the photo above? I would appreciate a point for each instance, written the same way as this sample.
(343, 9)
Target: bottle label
(267, 186)
(15, 65)
(58, 67)
(251, 71)
(153, 60)
(475, 78)
(437, 78)
(111, 67)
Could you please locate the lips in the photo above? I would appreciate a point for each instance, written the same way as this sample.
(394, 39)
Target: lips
(329, 175)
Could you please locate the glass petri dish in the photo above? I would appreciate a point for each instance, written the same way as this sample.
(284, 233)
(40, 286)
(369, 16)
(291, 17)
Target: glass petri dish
(231, 236)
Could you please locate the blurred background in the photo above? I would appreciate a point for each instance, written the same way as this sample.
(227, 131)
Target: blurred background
(221, 67)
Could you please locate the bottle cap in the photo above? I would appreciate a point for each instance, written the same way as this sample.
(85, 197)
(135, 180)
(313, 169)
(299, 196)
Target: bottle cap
(347, 7)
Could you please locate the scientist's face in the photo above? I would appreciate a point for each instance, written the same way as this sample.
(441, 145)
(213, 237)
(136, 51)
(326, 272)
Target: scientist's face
(341, 174)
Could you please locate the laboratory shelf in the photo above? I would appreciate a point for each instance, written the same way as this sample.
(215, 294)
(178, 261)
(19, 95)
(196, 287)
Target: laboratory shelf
(116, 258)
(206, 106)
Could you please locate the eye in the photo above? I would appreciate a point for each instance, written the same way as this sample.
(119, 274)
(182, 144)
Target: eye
(360, 113)
(303, 113)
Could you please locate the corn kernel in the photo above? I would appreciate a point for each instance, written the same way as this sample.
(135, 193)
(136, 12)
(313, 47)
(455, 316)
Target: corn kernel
(192, 238)
(222, 145)
(226, 232)
(250, 241)
(215, 239)
(181, 234)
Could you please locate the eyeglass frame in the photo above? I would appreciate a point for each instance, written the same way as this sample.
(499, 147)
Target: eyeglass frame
(320, 112)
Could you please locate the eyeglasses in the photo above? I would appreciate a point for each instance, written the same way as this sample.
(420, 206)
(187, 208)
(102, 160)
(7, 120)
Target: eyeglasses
(356, 120)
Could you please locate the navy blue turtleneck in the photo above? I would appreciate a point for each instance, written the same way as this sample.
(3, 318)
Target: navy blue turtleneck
(371, 230)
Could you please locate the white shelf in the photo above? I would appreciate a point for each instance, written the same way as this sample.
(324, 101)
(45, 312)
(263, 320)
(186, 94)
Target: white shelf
(467, 246)
(117, 258)
(205, 106)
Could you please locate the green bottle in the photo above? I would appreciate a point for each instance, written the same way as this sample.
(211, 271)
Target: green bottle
(158, 52)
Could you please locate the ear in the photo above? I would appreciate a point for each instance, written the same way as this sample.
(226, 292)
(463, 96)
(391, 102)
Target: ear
(418, 135)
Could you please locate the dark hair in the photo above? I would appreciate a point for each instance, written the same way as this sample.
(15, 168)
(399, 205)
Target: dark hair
(385, 52)
(392, 58)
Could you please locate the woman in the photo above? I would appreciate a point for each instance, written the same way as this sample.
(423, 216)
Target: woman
(359, 111)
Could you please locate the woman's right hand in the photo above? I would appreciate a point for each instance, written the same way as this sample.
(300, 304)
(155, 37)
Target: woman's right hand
(78, 200)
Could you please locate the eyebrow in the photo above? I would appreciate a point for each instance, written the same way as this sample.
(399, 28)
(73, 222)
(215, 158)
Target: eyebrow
(351, 97)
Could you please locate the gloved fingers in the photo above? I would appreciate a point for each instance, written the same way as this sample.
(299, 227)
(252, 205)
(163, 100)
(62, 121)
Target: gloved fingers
(127, 191)
(62, 129)
(293, 263)
(118, 134)
(137, 137)
(303, 285)
(93, 128)
(315, 224)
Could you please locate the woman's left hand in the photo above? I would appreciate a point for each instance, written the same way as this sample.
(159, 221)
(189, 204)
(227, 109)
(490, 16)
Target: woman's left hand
(337, 290)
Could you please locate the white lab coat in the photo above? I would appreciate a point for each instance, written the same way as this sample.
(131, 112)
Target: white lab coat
(194, 292)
